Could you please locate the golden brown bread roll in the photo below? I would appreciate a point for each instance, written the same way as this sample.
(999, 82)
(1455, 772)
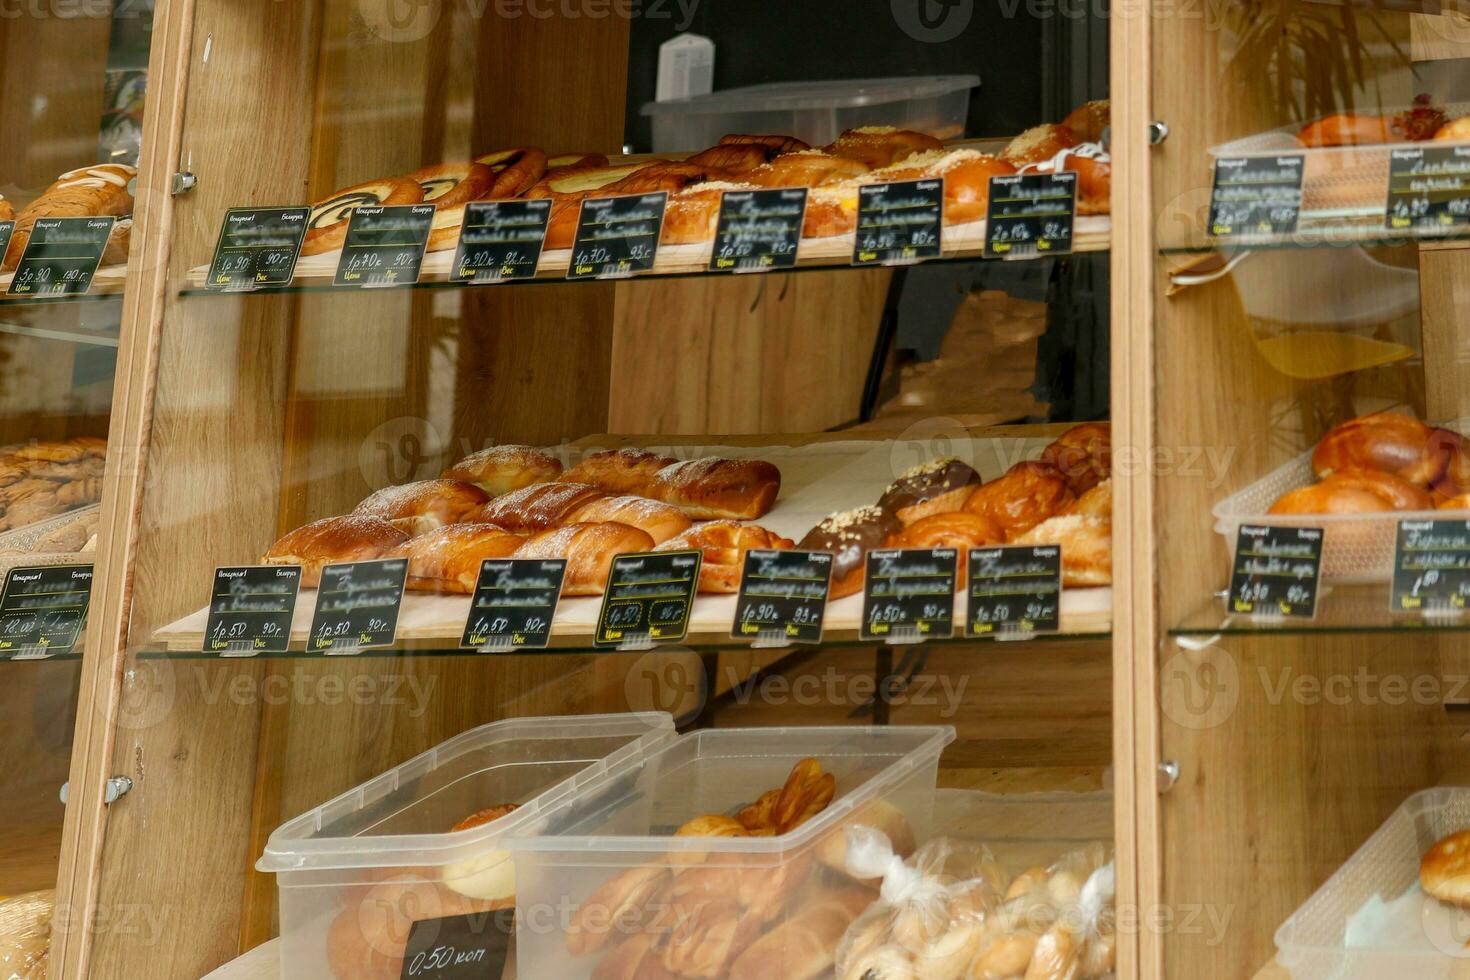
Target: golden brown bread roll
(659, 520)
(878, 814)
(1444, 871)
(1056, 956)
(501, 469)
(734, 158)
(7, 211)
(805, 945)
(538, 507)
(326, 228)
(1089, 120)
(614, 909)
(1083, 454)
(1355, 492)
(332, 541)
(780, 144)
(707, 489)
(668, 177)
(881, 146)
(104, 190)
(693, 214)
(1346, 129)
(421, 507)
(589, 550)
(724, 544)
(938, 487)
(447, 560)
(960, 531)
(1086, 543)
(1038, 144)
(1029, 493)
(1388, 441)
(1097, 502)
(1458, 129)
(515, 171)
(806, 168)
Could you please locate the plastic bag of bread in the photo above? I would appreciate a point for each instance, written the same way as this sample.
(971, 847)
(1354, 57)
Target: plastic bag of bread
(25, 935)
(930, 918)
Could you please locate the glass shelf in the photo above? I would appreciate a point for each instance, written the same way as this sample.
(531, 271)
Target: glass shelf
(1336, 235)
(99, 294)
(1340, 609)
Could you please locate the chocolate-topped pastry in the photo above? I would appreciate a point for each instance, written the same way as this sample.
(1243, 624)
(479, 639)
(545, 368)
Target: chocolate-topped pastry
(849, 536)
(938, 487)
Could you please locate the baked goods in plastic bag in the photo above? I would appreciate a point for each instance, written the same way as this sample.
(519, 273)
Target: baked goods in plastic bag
(25, 935)
(952, 913)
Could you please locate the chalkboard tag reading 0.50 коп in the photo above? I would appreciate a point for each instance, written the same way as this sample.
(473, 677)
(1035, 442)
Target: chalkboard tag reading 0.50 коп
(783, 596)
(758, 230)
(617, 237)
(42, 610)
(1015, 590)
(908, 595)
(251, 609)
(899, 223)
(61, 256)
(473, 946)
(1277, 571)
(514, 604)
(1257, 196)
(385, 245)
(257, 248)
(357, 606)
(501, 241)
(649, 598)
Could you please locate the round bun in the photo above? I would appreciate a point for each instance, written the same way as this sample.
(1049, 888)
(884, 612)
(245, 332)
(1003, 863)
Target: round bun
(1390, 442)
(501, 469)
(326, 229)
(1444, 871)
(1083, 455)
(1458, 129)
(1029, 493)
(421, 507)
(1346, 129)
(448, 559)
(936, 487)
(1038, 144)
(334, 540)
(1089, 120)
(1355, 492)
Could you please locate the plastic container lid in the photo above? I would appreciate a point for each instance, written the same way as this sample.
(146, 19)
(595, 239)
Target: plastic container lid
(841, 94)
(316, 841)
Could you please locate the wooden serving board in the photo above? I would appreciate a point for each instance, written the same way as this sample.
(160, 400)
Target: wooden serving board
(817, 479)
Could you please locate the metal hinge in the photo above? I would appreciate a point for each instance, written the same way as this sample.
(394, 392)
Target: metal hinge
(184, 182)
(117, 787)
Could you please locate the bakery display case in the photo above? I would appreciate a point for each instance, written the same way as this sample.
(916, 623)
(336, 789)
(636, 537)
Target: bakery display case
(71, 99)
(465, 411)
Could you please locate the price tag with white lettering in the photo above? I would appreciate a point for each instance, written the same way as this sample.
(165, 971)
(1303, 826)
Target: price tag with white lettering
(899, 223)
(908, 595)
(1257, 196)
(43, 609)
(783, 596)
(357, 606)
(1429, 188)
(251, 608)
(617, 237)
(1431, 567)
(501, 241)
(1031, 215)
(649, 598)
(514, 604)
(1015, 589)
(7, 229)
(473, 946)
(257, 248)
(385, 245)
(758, 230)
(1277, 571)
(61, 256)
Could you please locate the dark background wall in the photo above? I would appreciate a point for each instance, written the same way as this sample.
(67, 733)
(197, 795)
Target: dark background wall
(797, 40)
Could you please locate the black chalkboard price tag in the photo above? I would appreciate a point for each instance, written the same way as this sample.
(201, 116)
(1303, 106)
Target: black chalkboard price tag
(783, 595)
(908, 595)
(501, 241)
(1277, 571)
(1015, 590)
(43, 609)
(514, 604)
(1431, 567)
(7, 230)
(357, 606)
(257, 248)
(61, 256)
(758, 230)
(385, 245)
(617, 237)
(1429, 188)
(1031, 215)
(459, 947)
(1257, 196)
(250, 610)
(649, 598)
(899, 223)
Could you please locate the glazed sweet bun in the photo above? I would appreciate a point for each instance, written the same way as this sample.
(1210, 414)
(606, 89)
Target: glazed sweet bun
(1083, 454)
(1090, 120)
(881, 146)
(959, 530)
(849, 536)
(420, 507)
(723, 545)
(1029, 493)
(734, 158)
(516, 171)
(1388, 441)
(967, 186)
(1097, 502)
(1458, 129)
(447, 560)
(780, 144)
(936, 487)
(693, 215)
(1038, 144)
(501, 469)
(1086, 543)
(326, 229)
(1355, 492)
(1094, 170)
(1444, 871)
(1346, 129)
(806, 168)
(334, 540)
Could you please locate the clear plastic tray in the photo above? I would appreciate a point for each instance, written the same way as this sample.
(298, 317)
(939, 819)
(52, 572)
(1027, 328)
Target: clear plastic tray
(1343, 933)
(1355, 547)
(1338, 181)
(354, 871)
(817, 112)
(570, 869)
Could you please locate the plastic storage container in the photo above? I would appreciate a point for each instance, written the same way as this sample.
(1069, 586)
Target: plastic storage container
(604, 880)
(817, 112)
(357, 873)
(1371, 921)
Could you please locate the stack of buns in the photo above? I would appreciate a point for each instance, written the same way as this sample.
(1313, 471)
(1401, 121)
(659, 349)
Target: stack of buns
(42, 480)
(520, 502)
(101, 191)
(1384, 462)
(1064, 498)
